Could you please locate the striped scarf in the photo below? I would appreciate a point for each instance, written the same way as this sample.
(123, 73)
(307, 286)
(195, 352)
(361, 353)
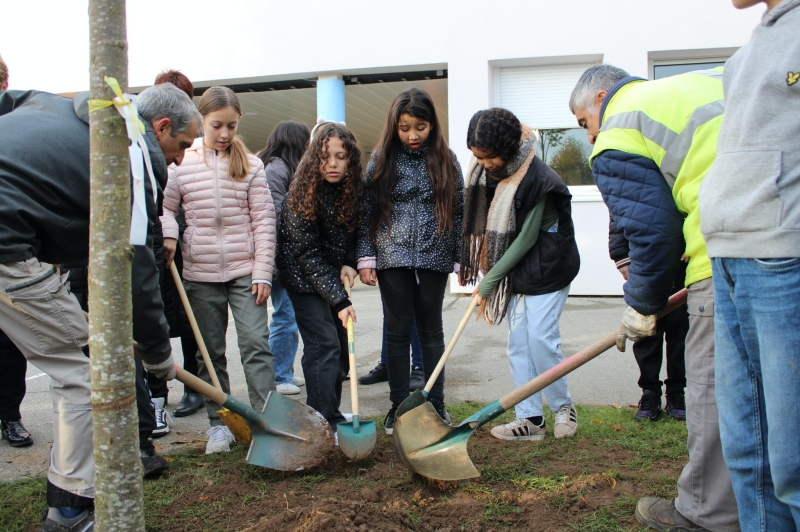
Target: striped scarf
(488, 230)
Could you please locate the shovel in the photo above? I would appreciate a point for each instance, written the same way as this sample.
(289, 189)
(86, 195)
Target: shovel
(287, 435)
(356, 438)
(421, 396)
(435, 450)
(237, 425)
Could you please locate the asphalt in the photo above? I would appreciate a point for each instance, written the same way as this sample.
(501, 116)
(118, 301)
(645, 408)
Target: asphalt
(477, 371)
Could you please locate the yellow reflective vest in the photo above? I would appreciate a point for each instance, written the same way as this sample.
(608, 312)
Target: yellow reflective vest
(675, 122)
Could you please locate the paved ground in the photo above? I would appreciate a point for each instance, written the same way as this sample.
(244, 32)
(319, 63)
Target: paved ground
(477, 370)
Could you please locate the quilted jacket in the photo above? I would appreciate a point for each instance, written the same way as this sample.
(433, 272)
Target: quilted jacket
(230, 225)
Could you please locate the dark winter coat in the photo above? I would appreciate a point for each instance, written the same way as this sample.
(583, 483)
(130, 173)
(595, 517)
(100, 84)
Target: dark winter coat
(311, 253)
(413, 241)
(617, 244)
(44, 199)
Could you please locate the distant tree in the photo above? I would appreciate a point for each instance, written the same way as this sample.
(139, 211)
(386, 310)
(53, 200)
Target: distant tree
(571, 162)
(549, 139)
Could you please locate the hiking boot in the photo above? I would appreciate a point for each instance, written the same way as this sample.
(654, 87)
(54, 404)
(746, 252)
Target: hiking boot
(661, 514)
(219, 439)
(152, 463)
(378, 374)
(417, 379)
(566, 423)
(441, 410)
(287, 388)
(15, 433)
(189, 404)
(520, 429)
(388, 423)
(163, 418)
(649, 406)
(676, 406)
(54, 521)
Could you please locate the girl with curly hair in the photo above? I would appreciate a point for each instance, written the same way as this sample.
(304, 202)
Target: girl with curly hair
(316, 256)
(410, 238)
(518, 232)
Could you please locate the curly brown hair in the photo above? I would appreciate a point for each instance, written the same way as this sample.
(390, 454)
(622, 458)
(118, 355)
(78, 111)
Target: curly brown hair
(496, 131)
(304, 193)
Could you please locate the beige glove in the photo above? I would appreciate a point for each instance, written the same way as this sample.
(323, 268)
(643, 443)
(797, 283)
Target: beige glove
(635, 326)
(164, 370)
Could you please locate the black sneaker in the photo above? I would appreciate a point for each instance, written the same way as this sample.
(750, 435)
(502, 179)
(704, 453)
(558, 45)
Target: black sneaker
(676, 406)
(378, 374)
(390, 419)
(417, 380)
(55, 522)
(15, 433)
(442, 411)
(152, 463)
(649, 406)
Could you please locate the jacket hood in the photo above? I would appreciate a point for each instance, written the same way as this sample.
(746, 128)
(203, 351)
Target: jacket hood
(771, 17)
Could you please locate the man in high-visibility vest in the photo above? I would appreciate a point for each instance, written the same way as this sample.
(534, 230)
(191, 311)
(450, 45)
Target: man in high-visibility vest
(654, 141)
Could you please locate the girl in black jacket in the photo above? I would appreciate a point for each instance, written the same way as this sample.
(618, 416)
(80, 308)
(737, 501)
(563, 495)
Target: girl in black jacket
(316, 256)
(410, 240)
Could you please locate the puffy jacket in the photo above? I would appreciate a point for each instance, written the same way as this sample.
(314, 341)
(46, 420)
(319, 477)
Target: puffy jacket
(311, 253)
(617, 244)
(413, 241)
(657, 142)
(230, 225)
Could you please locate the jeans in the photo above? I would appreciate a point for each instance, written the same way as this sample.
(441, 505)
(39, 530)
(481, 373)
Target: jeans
(283, 337)
(409, 296)
(416, 350)
(758, 378)
(325, 356)
(534, 346)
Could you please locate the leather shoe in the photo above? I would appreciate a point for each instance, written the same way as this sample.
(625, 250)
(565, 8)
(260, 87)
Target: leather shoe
(661, 514)
(378, 374)
(190, 403)
(16, 434)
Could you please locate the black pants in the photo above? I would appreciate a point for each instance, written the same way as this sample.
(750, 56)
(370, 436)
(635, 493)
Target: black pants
(325, 357)
(13, 366)
(147, 414)
(408, 295)
(649, 353)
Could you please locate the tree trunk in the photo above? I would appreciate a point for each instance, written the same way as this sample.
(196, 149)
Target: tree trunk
(118, 477)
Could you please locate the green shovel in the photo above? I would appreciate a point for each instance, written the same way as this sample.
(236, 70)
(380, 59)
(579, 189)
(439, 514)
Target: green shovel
(356, 438)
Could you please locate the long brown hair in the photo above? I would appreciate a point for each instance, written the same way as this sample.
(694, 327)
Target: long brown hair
(441, 164)
(305, 197)
(214, 99)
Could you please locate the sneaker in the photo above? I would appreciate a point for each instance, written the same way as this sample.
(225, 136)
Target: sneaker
(287, 388)
(219, 439)
(417, 380)
(390, 419)
(520, 429)
(163, 419)
(441, 410)
(336, 438)
(649, 406)
(378, 374)
(152, 463)
(676, 406)
(348, 418)
(566, 423)
(298, 381)
(661, 514)
(15, 433)
(54, 521)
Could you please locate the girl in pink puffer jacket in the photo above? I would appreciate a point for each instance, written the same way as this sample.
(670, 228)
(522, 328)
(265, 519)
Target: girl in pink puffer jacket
(228, 249)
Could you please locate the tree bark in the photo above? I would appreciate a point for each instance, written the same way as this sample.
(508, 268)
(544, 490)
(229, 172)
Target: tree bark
(118, 477)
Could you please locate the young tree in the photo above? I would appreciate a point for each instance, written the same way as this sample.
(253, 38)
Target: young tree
(118, 479)
(571, 162)
(548, 139)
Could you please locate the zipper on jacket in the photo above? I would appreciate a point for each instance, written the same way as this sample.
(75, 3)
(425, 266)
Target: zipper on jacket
(219, 221)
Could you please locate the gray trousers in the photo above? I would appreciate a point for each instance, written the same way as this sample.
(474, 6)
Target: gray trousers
(45, 321)
(210, 303)
(705, 492)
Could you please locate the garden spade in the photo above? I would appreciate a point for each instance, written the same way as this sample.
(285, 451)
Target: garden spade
(421, 396)
(356, 438)
(438, 451)
(287, 435)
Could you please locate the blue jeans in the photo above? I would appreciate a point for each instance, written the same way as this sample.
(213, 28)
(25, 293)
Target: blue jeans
(534, 346)
(758, 378)
(283, 337)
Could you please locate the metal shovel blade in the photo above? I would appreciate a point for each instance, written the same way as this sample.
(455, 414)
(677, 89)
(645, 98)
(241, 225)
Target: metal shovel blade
(291, 436)
(418, 398)
(357, 438)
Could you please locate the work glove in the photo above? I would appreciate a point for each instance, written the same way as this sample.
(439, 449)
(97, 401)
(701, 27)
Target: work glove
(635, 326)
(163, 370)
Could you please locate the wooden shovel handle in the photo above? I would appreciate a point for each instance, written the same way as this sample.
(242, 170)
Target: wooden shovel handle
(197, 336)
(438, 369)
(351, 348)
(577, 360)
(200, 386)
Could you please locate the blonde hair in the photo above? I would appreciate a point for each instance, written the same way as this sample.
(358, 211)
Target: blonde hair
(214, 99)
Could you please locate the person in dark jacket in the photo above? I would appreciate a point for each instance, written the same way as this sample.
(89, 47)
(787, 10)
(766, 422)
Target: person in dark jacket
(316, 257)
(518, 231)
(409, 240)
(44, 220)
(12, 392)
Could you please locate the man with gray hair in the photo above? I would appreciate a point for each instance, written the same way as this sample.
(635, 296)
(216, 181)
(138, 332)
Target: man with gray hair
(44, 220)
(654, 142)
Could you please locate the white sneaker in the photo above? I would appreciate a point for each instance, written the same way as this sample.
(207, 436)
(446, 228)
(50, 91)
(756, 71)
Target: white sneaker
(219, 440)
(336, 438)
(520, 429)
(298, 381)
(348, 417)
(566, 424)
(287, 388)
(163, 419)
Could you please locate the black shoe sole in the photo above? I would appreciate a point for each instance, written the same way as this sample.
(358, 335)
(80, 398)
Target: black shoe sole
(367, 381)
(26, 443)
(185, 412)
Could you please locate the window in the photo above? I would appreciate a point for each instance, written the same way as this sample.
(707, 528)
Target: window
(667, 70)
(567, 152)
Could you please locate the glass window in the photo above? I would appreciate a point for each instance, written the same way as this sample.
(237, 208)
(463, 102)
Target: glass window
(665, 71)
(567, 152)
